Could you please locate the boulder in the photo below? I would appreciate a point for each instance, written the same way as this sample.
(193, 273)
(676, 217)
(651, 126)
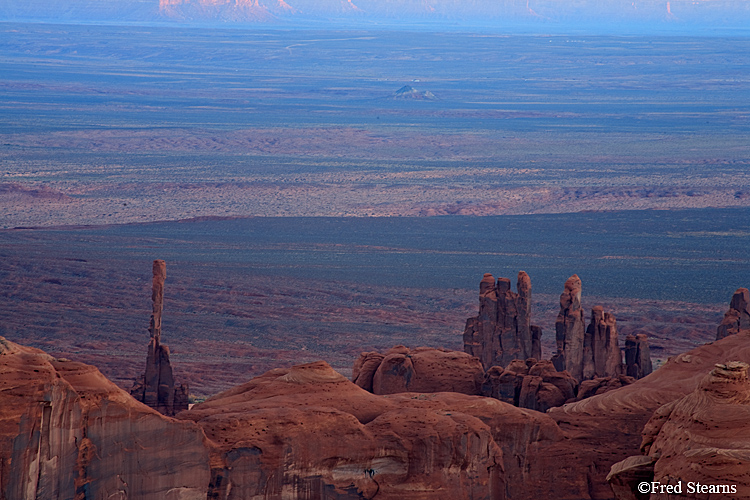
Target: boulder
(418, 370)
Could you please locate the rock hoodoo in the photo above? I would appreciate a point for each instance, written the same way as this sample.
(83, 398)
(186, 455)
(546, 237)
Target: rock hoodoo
(503, 331)
(738, 316)
(156, 388)
(603, 358)
(637, 356)
(570, 330)
(593, 352)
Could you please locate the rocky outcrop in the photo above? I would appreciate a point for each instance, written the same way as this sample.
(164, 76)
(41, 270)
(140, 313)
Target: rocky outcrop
(738, 316)
(307, 432)
(637, 356)
(532, 384)
(157, 388)
(68, 432)
(502, 331)
(422, 369)
(702, 438)
(409, 92)
(617, 417)
(600, 385)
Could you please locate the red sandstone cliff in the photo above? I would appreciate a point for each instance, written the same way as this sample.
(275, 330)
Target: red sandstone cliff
(68, 432)
(308, 432)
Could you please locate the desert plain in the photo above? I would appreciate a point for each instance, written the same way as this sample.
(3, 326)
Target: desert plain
(310, 208)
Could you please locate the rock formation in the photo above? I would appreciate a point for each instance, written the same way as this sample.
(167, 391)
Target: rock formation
(67, 432)
(503, 331)
(418, 370)
(594, 351)
(569, 330)
(637, 356)
(532, 384)
(600, 385)
(156, 388)
(310, 433)
(702, 438)
(307, 432)
(409, 92)
(617, 417)
(502, 334)
(602, 354)
(738, 316)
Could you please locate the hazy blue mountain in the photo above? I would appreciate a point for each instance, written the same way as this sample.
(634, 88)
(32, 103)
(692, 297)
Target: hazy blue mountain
(602, 13)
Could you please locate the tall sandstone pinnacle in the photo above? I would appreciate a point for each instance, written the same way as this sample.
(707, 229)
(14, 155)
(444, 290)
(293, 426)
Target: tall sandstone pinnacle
(738, 316)
(637, 356)
(570, 330)
(502, 331)
(603, 358)
(594, 352)
(157, 387)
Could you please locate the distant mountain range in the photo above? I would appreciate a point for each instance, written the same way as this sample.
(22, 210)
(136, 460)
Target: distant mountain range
(707, 13)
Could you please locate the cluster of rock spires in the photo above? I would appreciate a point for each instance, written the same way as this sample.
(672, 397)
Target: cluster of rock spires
(503, 331)
(588, 358)
(585, 352)
(306, 432)
(156, 387)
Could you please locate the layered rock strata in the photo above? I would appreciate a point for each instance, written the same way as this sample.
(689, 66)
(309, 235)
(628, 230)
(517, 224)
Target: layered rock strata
(738, 316)
(422, 369)
(67, 432)
(502, 331)
(701, 439)
(157, 388)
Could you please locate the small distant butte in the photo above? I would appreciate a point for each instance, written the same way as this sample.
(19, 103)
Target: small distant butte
(409, 92)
